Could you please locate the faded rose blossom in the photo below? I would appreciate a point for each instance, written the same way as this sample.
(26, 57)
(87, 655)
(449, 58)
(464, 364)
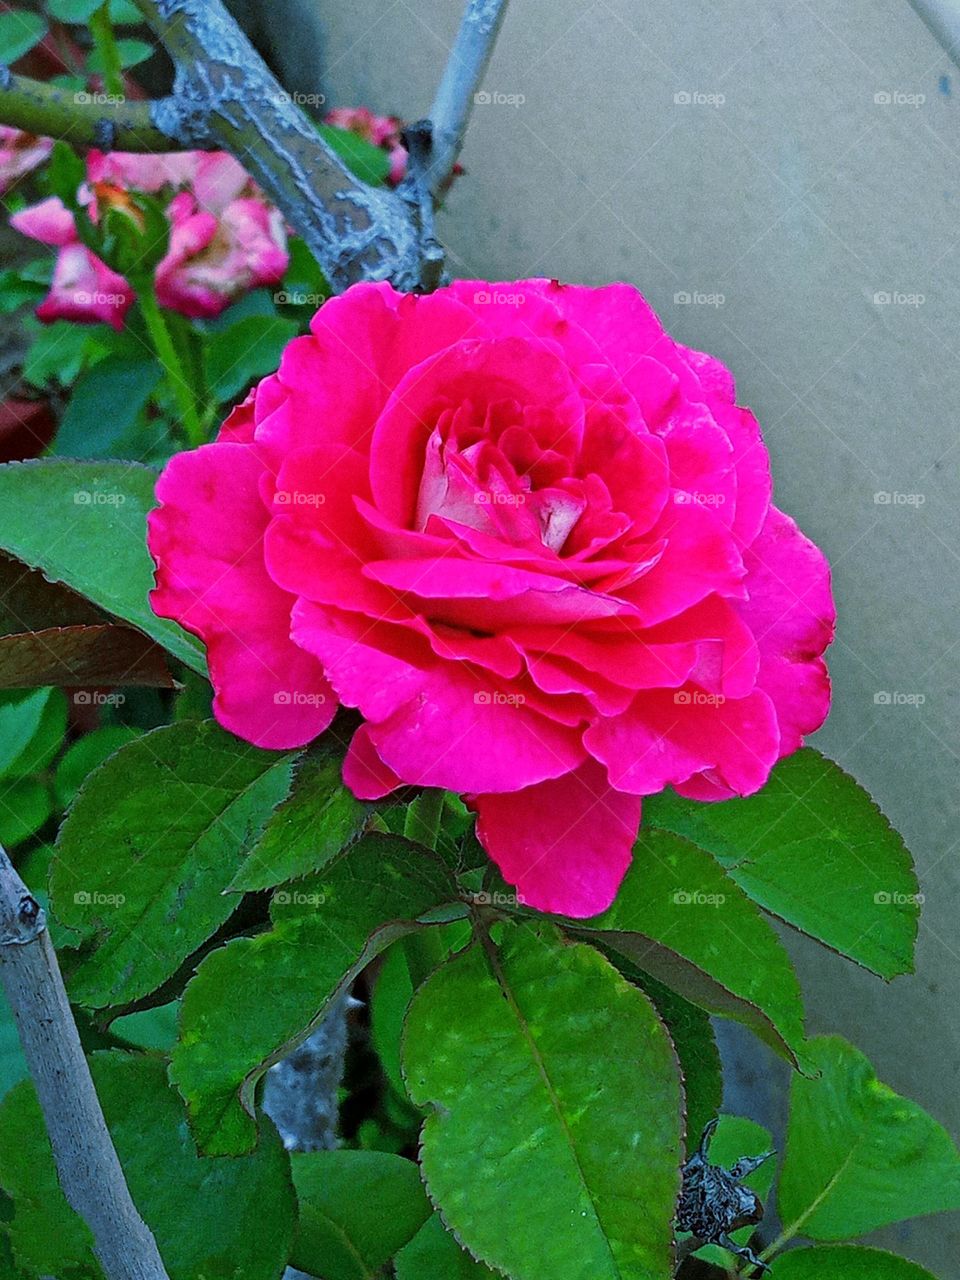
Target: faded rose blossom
(379, 131)
(213, 259)
(530, 538)
(20, 154)
(225, 238)
(83, 287)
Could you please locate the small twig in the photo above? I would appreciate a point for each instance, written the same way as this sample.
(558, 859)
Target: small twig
(458, 86)
(943, 19)
(90, 1172)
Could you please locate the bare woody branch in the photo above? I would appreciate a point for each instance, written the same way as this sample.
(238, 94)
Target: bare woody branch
(456, 93)
(226, 98)
(90, 1172)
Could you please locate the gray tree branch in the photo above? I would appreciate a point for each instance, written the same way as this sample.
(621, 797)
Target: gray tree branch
(87, 1163)
(943, 19)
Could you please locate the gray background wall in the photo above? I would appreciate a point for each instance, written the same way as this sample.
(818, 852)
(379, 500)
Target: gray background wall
(797, 199)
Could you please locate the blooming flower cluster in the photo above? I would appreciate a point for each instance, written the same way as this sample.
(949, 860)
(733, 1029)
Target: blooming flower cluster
(530, 538)
(225, 238)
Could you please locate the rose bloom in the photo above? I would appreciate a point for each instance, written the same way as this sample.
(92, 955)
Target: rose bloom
(530, 538)
(20, 154)
(225, 237)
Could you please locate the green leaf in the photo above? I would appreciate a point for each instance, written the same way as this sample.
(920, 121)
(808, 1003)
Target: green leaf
(152, 841)
(737, 1136)
(246, 351)
(130, 52)
(125, 385)
(681, 918)
(84, 524)
(149, 1028)
(212, 1219)
(845, 1262)
(255, 999)
(434, 1253)
(859, 1156)
(696, 1047)
(19, 32)
(26, 726)
(318, 819)
(57, 353)
(357, 1208)
(552, 1147)
(367, 162)
(813, 849)
(85, 755)
(75, 12)
(391, 995)
(24, 808)
(105, 654)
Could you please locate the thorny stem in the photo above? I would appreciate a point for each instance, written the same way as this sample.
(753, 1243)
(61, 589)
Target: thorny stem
(87, 1163)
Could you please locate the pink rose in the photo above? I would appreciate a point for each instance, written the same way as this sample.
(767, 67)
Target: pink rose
(20, 154)
(83, 287)
(214, 258)
(530, 538)
(379, 131)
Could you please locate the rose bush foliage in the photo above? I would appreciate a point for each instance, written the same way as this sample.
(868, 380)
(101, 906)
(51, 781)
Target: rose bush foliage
(530, 538)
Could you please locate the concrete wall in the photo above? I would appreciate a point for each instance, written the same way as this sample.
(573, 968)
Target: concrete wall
(797, 198)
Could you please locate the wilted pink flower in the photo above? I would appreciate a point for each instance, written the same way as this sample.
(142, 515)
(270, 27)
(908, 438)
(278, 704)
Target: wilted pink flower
(19, 154)
(83, 287)
(379, 131)
(214, 258)
(530, 538)
(225, 238)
